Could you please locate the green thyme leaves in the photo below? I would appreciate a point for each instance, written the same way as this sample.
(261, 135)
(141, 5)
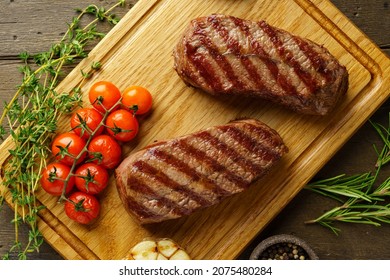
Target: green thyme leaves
(30, 118)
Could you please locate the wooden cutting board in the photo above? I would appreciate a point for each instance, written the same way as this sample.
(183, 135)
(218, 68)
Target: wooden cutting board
(139, 51)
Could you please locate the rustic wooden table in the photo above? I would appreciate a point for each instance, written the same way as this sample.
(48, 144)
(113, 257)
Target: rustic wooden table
(32, 26)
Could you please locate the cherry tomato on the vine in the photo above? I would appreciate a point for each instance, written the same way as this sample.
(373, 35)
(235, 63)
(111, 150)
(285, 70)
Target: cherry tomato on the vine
(85, 121)
(104, 150)
(67, 146)
(91, 178)
(82, 207)
(103, 95)
(122, 125)
(137, 99)
(53, 179)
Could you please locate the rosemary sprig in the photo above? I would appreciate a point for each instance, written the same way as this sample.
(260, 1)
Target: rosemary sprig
(342, 186)
(363, 200)
(383, 132)
(32, 115)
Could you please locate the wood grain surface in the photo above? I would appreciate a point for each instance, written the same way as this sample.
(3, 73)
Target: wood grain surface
(20, 33)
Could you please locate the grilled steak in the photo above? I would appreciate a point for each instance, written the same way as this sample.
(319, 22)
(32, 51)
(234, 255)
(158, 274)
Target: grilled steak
(225, 55)
(173, 178)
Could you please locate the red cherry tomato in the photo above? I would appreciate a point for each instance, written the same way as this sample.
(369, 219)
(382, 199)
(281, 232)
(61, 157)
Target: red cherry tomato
(137, 99)
(85, 121)
(91, 178)
(53, 179)
(82, 207)
(105, 151)
(104, 95)
(122, 125)
(67, 146)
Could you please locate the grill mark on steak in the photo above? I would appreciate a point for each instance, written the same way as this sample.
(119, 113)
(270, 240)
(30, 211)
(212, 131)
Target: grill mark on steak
(309, 81)
(176, 177)
(222, 62)
(261, 150)
(139, 187)
(168, 182)
(234, 46)
(190, 172)
(229, 152)
(231, 43)
(269, 62)
(317, 61)
(139, 210)
(214, 165)
(260, 133)
(252, 71)
(203, 66)
(281, 79)
(134, 207)
(203, 168)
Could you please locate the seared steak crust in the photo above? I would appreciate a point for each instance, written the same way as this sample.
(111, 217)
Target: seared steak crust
(173, 178)
(225, 55)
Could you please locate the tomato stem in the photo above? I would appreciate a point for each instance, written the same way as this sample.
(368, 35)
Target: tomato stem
(78, 206)
(83, 126)
(116, 129)
(89, 178)
(85, 150)
(134, 109)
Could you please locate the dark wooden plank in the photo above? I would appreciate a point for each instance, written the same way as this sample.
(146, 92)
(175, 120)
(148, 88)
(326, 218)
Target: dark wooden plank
(7, 237)
(372, 17)
(34, 25)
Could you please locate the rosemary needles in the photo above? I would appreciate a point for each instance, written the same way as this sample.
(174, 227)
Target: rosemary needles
(32, 115)
(362, 197)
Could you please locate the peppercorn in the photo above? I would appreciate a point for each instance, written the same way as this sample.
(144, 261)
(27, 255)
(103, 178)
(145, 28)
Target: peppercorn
(284, 251)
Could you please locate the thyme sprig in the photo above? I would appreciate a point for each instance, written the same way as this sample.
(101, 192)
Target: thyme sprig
(32, 117)
(362, 196)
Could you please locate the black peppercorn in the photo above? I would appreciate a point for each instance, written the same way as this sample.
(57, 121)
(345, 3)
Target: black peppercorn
(284, 251)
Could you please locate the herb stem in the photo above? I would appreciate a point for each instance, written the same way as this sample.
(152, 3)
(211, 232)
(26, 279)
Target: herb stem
(362, 202)
(32, 115)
